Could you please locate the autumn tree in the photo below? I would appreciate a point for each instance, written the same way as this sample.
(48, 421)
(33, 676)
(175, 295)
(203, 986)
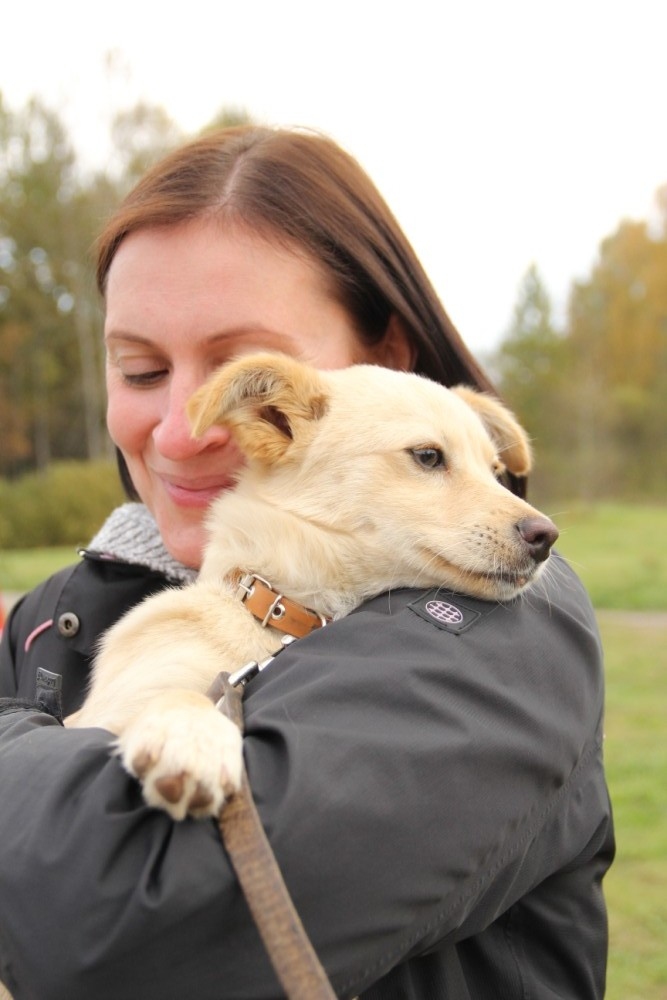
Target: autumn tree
(594, 396)
(618, 332)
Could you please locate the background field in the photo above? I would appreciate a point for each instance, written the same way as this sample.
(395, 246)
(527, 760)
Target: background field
(620, 553)
(617, 549)
(636, 755)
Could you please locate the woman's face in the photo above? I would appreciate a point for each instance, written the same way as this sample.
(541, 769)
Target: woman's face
(180, 302)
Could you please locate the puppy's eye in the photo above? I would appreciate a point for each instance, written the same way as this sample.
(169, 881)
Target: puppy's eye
(428, 458)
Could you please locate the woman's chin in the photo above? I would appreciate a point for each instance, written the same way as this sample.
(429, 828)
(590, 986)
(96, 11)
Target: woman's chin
(184, 543)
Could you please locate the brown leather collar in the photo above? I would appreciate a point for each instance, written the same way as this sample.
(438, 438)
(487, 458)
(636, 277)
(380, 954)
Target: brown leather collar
(274, 609)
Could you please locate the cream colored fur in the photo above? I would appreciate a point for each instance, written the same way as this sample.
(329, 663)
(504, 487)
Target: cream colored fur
(336, 503)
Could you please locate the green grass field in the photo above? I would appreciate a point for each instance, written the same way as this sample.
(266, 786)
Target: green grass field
(636, 757)
(616, 549)
(620, 553)
(22, 569)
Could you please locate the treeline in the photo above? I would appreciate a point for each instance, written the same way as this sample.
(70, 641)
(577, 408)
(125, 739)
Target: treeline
(52, 398)
(592, 393)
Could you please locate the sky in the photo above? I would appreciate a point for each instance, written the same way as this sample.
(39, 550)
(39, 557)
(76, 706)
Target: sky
(500, 133)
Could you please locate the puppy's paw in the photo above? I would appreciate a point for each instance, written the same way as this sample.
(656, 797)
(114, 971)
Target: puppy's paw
(187, 755)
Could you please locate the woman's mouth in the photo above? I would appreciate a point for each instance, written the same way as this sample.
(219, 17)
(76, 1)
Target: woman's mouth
(194, 493)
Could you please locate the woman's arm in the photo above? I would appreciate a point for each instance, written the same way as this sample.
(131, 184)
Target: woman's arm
(416, 779)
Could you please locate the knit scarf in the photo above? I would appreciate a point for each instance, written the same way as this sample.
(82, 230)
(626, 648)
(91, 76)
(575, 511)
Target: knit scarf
(131, 535)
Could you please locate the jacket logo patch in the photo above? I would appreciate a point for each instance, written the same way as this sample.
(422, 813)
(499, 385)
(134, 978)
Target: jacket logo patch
(444, 614)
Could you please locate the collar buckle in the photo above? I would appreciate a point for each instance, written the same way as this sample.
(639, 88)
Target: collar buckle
(273, 609)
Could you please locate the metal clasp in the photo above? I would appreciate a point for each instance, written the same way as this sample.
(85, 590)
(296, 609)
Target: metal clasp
(276, 611)
(251, 669)
(245, 587)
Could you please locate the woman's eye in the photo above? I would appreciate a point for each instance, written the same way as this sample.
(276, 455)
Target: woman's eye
(428, 458)
(144, 379)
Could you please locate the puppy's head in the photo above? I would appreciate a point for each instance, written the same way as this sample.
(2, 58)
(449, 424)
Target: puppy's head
(395, 476)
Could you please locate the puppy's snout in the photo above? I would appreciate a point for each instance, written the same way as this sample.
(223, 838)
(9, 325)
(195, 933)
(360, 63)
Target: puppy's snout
(539, 534)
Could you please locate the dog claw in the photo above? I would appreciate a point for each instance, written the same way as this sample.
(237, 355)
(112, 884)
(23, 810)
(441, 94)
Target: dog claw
(228, 787)
(200, 799)
(171, 787)
(142, 763)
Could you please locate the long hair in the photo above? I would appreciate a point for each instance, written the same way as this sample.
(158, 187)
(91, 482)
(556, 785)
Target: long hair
(301, 188)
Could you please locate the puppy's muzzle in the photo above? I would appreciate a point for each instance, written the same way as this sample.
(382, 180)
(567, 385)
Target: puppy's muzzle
(538, 534)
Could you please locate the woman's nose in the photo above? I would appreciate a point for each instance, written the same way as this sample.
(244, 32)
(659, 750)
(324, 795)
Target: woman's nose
(173, 436)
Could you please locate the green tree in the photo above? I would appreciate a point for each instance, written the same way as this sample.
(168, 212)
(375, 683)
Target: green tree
(45, 231)
(227, 117)
(140, 136)
(530, 367)
(52, 396)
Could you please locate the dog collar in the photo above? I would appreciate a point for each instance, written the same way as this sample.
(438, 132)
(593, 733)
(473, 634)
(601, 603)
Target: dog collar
(273, 609)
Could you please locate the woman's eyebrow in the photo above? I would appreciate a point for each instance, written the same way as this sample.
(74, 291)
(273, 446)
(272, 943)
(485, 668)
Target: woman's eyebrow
(245, 330)
(124, 335)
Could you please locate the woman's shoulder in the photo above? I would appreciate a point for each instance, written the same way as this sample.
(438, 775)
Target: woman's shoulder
(55, 627)
(554, 610)
(92, 589)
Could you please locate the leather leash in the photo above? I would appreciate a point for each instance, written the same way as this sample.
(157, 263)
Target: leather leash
(292, 955)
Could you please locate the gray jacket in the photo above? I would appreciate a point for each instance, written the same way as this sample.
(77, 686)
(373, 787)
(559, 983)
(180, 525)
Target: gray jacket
(428, 770)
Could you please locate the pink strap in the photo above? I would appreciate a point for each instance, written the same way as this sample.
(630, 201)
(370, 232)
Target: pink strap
(35, 632)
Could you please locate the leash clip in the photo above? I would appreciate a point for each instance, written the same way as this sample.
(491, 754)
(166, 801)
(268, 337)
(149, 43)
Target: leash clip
(246, 673)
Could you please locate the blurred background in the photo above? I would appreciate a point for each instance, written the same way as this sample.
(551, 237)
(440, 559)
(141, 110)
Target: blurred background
(522, 147)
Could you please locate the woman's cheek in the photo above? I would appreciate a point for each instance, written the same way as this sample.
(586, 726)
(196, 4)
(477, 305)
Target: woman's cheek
(128, 418)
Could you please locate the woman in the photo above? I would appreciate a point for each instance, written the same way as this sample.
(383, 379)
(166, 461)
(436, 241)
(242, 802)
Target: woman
(436, 800)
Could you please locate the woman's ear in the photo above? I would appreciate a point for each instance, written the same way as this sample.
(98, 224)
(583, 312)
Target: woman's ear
(396, 349)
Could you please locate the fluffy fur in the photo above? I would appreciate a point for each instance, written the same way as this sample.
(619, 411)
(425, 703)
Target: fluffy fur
(356, 481)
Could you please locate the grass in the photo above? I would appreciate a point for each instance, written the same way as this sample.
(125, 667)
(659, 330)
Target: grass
(636, 758)
(617, 549)
(22, 569)
(619, 552)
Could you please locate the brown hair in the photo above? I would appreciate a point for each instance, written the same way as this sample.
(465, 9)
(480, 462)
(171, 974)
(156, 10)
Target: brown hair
(301, 187)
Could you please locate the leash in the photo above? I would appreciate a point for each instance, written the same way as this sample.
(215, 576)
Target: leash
(292, 955)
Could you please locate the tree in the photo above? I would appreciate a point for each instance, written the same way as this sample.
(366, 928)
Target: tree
(618, 330)
(530, 367)
(43, 237)
(51, 353)
(140, 136)
(594, 397)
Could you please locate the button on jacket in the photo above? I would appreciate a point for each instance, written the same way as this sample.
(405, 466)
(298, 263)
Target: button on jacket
(428, 770)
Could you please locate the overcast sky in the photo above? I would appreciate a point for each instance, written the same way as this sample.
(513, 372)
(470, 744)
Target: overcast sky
(501, 132)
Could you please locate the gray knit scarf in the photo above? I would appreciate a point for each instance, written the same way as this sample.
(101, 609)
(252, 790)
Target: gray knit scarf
(130, 534)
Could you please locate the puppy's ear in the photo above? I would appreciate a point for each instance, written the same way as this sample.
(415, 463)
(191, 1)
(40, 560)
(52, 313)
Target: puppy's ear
(264, 399)
(505, 431)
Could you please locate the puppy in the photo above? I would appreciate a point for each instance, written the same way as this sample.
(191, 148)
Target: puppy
(355, 481)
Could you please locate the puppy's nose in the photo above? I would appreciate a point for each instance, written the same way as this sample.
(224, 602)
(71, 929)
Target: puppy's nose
(539, 534)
